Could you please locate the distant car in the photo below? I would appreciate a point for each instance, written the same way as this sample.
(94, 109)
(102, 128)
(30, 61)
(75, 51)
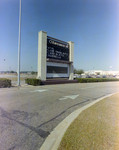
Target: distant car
(75, 76)
(97, 76)
(83, 76)
(88, 76)
(79, 76)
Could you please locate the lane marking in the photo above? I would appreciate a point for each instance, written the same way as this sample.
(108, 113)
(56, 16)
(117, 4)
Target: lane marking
(39, 90)
(70, 96)
(88, 88)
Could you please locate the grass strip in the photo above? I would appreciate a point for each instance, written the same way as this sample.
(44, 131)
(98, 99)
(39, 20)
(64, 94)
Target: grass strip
(87, 80)
(96, 128)
(15, 78)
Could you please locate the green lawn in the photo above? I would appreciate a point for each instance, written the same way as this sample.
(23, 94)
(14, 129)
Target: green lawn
(96, 128)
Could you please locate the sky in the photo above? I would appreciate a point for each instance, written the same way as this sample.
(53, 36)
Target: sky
(93, 26)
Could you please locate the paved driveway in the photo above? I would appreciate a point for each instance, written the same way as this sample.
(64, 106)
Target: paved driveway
(29, 114)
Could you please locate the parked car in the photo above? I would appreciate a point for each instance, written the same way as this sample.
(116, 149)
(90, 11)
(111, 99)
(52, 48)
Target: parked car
(75, 76)
(88, 76)
(104, 76)
(98, 76)
(117, 76)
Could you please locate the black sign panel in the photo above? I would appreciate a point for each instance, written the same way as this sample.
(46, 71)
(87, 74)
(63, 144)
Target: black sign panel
(56, 69)
(57, 50)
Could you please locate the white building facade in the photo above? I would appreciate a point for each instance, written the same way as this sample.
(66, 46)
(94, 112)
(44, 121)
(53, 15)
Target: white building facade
(101, 72)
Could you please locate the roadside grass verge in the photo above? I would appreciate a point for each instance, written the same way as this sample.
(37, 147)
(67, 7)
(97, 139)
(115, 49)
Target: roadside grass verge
(87, 80)
(15, 77)
(96, 128)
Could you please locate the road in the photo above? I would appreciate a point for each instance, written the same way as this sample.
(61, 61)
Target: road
(29, 114)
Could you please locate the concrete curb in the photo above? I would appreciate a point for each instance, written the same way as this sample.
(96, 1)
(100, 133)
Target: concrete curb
(22, 85)
(53, 140)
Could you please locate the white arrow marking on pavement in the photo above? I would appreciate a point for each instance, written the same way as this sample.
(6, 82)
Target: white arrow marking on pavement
(62, 99)
(39, 90)
(70, 96)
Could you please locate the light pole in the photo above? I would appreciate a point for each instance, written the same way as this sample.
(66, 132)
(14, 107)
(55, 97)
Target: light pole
(93, 70)
(3, 67)
(19, 44)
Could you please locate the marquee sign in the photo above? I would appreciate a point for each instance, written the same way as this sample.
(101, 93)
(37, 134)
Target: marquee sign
(57, 49)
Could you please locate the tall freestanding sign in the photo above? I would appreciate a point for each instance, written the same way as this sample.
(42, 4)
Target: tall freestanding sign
(55, 57)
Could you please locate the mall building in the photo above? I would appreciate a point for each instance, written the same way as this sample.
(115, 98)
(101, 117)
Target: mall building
(101, 72)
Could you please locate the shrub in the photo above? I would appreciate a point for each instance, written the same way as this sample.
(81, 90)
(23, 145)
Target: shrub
(85, 80)
(32, 72)
(32, 81)
(5, 83)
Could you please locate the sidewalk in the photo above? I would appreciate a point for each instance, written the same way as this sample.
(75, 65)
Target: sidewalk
(96, 128)
(14, 83)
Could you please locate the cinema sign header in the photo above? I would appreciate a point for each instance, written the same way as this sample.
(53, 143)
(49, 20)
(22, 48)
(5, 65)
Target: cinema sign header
(57, 49)
(58, 44)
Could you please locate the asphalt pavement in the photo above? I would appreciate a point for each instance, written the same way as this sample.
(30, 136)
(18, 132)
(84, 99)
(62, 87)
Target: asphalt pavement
(28, 114)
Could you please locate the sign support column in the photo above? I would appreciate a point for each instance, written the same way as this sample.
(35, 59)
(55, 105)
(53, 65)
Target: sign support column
(71, 58)
(42, 46)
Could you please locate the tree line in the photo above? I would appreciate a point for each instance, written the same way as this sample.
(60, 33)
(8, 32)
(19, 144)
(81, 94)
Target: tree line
(78, 71)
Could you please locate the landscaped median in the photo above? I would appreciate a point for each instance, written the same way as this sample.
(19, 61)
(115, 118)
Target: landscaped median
(86, 80)
(34, 81)
(96, 128)
(5, 83)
